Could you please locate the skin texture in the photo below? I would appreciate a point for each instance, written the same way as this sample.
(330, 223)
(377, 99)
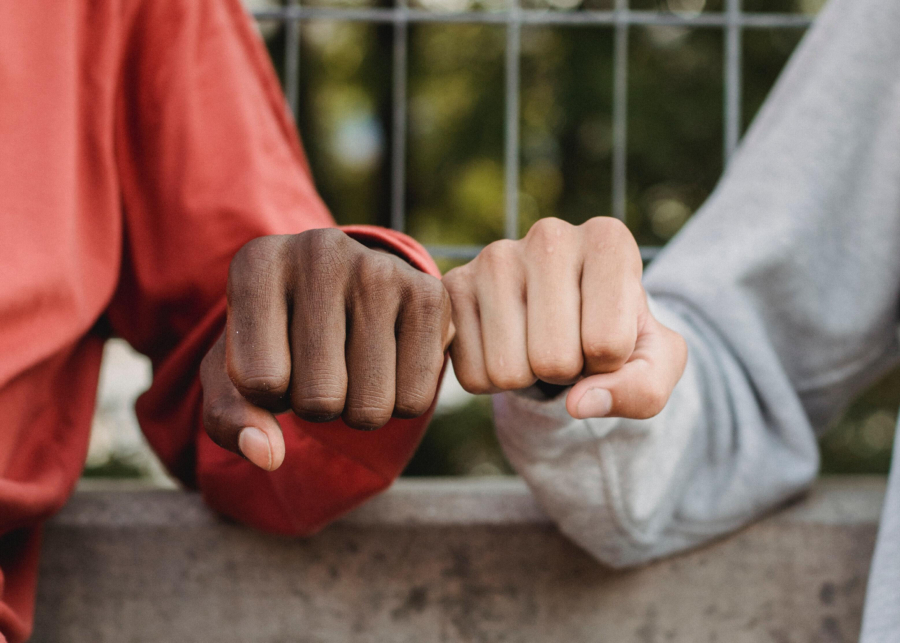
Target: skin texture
(564, 305)
(323, 326)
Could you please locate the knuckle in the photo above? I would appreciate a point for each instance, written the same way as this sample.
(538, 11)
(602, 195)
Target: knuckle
(322, 241)
(457, 282)
(476, 387)
(365, 416)
(453, 278)
(258, 250)
(438, 295)
(427, 308)
(318, 408)
(511, 379)
(472, 383)
(376, 275)
(609, 233)
(319, 399)
(611, 352)
(215, 413)
(254, 264)
(546, 234)
(412, 405)
(260, 385)
(556, 367)
(323, 252)
(430, 296)
(606, 227)
(498, 255)
(417, 388)
(216, 421)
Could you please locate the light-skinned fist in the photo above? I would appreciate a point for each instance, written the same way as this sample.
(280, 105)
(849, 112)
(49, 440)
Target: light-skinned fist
(564, 305)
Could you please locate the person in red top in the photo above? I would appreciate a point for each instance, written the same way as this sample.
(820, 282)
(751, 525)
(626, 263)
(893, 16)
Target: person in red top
(143, 144)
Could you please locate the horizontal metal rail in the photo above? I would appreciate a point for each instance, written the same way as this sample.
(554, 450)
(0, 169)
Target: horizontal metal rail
(732, 20)
(538, 17)
(648, 253)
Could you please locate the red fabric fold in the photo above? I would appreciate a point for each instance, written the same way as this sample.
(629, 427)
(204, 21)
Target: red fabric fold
(144, 142)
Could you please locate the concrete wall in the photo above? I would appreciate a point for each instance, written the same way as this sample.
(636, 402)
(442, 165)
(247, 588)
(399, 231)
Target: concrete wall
(444, 561)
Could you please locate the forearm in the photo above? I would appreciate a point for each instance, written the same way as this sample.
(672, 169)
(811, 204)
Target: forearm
(785, 288)
(632, 490)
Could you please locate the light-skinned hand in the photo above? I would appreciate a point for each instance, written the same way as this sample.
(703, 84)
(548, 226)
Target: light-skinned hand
(564, 305)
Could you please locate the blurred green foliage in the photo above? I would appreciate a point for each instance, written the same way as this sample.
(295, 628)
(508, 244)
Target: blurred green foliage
(455, 151)
(116, 467)
(460, 442)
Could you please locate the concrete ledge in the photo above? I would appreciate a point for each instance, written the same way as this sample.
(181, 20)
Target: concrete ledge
(454, 560)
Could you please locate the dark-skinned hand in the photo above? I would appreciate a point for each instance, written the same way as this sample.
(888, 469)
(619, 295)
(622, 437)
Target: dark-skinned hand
(326, 327)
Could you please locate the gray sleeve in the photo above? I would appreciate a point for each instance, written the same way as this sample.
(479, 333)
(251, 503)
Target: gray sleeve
(785, 287)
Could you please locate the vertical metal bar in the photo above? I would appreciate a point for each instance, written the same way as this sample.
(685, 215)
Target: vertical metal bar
(398, 131)
(620, 111)
(511, 119)
(292, 60)
(733, 77)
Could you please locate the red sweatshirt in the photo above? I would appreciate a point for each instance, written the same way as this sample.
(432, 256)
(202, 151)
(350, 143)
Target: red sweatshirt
(142, 142)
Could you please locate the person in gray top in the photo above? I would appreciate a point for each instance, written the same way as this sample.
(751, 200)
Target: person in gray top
(784, 289)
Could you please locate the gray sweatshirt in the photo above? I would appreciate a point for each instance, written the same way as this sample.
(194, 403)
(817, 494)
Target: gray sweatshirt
(785, 286)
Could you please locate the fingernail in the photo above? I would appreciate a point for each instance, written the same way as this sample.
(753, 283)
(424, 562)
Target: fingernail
(255, 446)
(596, 403)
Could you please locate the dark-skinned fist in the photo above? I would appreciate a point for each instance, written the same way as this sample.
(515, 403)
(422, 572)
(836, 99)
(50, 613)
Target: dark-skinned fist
(326, 327)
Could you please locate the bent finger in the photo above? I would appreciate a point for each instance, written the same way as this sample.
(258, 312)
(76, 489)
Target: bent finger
(466, 351)
(553, 303)
(318, 338)
(371, 358)
(611, 295)
(421, 331)
(500, 290)
(257, 352)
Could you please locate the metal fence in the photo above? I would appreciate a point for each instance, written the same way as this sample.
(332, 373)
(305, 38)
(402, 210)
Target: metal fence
(733, 20)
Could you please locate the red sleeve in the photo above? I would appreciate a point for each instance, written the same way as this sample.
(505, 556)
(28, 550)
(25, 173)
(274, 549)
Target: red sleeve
(209, 159)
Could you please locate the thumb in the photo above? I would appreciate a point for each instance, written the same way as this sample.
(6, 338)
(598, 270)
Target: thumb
(642, 386)
(234, 423)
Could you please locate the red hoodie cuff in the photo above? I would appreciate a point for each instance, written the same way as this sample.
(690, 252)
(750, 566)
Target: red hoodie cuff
(396, 242)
